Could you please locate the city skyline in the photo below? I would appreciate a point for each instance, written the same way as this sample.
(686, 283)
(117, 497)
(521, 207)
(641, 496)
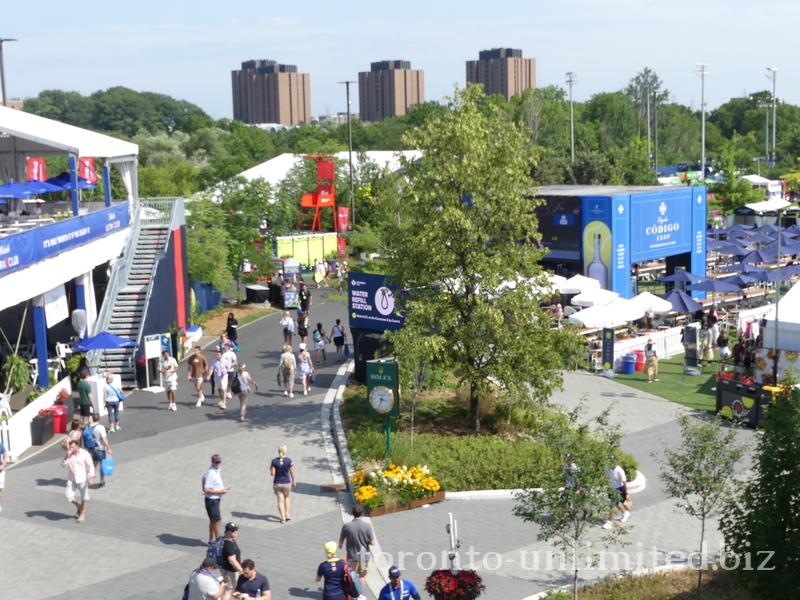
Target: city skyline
(189, 54)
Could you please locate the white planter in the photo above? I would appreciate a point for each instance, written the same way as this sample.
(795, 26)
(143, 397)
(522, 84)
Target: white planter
(19, 426)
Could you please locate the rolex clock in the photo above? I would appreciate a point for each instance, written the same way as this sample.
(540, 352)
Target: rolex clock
(381, 399)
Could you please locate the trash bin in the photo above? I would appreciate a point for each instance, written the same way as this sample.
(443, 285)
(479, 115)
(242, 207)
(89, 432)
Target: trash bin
(628, 364)
(59, 412)
(639, 359)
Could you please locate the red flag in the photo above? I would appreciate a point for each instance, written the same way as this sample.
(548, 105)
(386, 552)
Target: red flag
(36, 169)
(342, 218)
(86, 170)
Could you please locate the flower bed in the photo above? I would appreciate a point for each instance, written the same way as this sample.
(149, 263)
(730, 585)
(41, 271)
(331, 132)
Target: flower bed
(461, 585)
(394, 487)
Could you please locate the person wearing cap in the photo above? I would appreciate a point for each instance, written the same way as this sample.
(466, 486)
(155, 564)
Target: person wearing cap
(231, 567)
(203, 585)
(244, 380)
(397, 588)
(252, 584)
(213, 490)
(332, 570)
(570, 471)
(618, 482)
(651, 360)
(305, 367)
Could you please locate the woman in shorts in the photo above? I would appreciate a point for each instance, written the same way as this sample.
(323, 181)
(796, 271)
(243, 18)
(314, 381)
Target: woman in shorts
(288, 366)
(282, 470)
(320, 339)
(339, 338)
(244, 381)
(287, 325)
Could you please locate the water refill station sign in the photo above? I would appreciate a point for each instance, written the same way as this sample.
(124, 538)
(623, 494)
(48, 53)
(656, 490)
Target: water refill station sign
(603, 231)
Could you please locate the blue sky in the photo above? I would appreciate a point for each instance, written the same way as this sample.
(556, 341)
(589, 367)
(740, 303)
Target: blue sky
(187, 49)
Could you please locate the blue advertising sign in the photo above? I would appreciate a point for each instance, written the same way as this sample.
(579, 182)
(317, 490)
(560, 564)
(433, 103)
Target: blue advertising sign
(30, 247)
(371, 303)
(661, 224)
(620, 250)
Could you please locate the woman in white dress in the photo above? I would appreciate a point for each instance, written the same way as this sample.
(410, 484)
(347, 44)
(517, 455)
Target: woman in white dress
(287, 325)
(305, 367)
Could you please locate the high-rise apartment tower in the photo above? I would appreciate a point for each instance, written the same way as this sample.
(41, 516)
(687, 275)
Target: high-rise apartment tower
(389, 89)
(266, 92)
(502, 71)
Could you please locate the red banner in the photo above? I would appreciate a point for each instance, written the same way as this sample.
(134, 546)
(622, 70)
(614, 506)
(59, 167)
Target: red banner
(37, 169)
(86, 170)
(342, 218)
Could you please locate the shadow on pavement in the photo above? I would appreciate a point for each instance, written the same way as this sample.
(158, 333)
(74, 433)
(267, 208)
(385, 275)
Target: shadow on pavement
(50, 515)
(51, 482)
(303, 593)
(246, 515)
(176, 540)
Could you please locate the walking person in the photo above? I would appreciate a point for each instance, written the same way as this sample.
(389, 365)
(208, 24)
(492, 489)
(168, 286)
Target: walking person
(282, 469)
(320, 339)
(101, 447)
(287, 325)
(231, 566)
(398, 589)
(169, 368)
(331, 571)
(305, 367)
(723, 349)
(305, 299)
(288, 367)
(706, 347)
(359, 537)
(651, 360)
(219, 370)
(618, 482)
(203, 585)
(198, 369)
(243, 380)
(339, 339)
(4, 458)
(113, 396)
(302, 326)
(81, 475)
(230, 356)
(343, 272)
(75, 433)
(232, 329)
(85, 400)
(252, 584)
(213, 490)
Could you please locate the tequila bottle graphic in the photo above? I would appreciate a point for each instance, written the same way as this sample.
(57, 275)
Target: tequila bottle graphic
(597, 270)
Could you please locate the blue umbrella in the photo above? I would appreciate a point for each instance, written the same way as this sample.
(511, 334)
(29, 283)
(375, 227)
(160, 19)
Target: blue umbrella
(739, 279)
(790, 247)
(792, 229)
(742, 267)
(772, 276)
(713, 286)
(12, 189)
(738, 227)
(786, 238)
(103, 341)
(714, 245)
(739, 233)
(757, 239)
(42, 187)
(759, 256)
(682, 302)
(682, 276)
(714, 231)
(63, 180)
(733, 249)
(767, 229)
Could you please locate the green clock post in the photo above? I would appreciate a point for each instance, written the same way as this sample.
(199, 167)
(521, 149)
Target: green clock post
(383, 393)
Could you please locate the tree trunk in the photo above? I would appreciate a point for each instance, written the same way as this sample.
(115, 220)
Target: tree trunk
(702, 565)
(474, 416)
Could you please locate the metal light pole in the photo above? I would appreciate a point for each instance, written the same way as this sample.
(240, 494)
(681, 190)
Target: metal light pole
(703, 72)
(647, 99)
(350, 156)
(3, 71)
(773, 76)
(570, 82)
(655, 132)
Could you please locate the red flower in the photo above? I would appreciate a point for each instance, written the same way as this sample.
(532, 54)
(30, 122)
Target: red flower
(464, 585)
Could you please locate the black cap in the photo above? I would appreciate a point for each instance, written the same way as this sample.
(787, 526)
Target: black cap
(394, 572)
(209, 562)
(570, 457)
(231, 527)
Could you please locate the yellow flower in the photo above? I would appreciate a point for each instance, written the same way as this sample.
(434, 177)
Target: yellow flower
(430, 484)
(365, 493)
(358, 477)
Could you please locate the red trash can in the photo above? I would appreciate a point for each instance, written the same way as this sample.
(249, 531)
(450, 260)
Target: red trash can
(59, 418)
(639, 359)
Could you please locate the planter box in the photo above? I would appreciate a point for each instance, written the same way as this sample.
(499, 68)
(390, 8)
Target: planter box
(416, 503)
(42, 429)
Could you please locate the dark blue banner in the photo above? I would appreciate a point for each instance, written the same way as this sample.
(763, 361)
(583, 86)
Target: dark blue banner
(371, 303)
(24, 249)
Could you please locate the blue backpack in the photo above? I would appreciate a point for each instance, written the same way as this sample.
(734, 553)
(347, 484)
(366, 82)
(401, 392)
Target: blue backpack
(88, 438)
(215, 550)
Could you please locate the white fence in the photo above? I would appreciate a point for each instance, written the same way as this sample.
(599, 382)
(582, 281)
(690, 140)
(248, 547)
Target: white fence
(17, 430)
(743, 316)
(668, 344)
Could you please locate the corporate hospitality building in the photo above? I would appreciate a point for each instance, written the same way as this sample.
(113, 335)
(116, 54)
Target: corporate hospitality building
(502, 71)
(267, 92)
(388, 89)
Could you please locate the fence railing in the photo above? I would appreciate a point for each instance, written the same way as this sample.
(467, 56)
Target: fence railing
(668, 344)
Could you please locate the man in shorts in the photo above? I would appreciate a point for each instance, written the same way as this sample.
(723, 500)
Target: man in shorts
(169, 367)
(3, 463)
(231, 567)
(81, 476)
(86, 400)
(213, 490)
(198, 369)
(101, 447)
(220, 367)
(359, 537)
(618, 482)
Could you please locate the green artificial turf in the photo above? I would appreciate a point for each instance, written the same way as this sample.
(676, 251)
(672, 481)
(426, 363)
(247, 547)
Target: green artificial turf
(695, 394)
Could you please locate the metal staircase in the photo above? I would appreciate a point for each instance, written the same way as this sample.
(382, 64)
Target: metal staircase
(128, 295)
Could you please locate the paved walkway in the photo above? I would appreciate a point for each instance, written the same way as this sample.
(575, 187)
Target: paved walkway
(147, 530)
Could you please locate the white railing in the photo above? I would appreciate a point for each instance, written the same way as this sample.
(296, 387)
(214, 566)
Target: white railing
(668, 344)
(18, 427)
(743, 316)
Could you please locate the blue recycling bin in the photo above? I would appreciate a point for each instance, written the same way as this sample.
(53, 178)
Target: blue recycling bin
(628, 364)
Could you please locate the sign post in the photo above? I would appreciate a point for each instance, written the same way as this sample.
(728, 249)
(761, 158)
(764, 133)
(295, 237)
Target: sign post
(383, 393)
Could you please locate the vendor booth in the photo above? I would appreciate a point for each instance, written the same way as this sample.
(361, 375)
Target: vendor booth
(605, 232)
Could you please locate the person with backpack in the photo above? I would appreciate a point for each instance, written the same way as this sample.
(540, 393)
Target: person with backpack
(287, 325)
(240, 385)
(332, 571)
(339, 338)
(95, 441)
(203, 585)
(359, 537)
(302, 326)
(288, 366)
(230, 566)
(398, 589)
(320, 339)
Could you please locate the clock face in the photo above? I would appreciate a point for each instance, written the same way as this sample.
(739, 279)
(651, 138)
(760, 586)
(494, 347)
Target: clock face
(382, 399)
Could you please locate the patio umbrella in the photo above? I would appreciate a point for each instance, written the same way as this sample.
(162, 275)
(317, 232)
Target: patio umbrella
(790, 247)
(739, 227)
(733, 249)
(772, 276)
(41, 187)
(577, 284)
(786, 238)
(739, 279)
(12, 189)
(63, 181)
(617, 313)
(757, 239)
(742, 267)
(652, 303)
(759, 256)
(103, 341)
(714, 231)
(738, 233)
(767, 229)
(596, 297)
(792, 229)
(682, 302)
(791, 270)
(713, 286)
(682, 276)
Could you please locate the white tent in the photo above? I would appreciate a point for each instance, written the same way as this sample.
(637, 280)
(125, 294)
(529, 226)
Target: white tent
(788, 322)
(652, 303)
(596, 297)
(619, 312)
(577, 284)
(24, 134)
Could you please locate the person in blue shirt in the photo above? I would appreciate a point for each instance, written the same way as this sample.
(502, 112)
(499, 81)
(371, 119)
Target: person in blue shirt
(398, 589)
(331, 571)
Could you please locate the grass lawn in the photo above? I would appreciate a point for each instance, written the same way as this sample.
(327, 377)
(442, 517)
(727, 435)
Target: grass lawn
(695, 394)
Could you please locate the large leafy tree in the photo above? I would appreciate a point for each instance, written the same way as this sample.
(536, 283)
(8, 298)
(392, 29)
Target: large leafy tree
(762, 525)
(207, 242)
(467, 226)
(640, 90)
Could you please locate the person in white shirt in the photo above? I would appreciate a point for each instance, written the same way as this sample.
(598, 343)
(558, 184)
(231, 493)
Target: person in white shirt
(203, 585)
(288, 367)
(169, 367)
(287, 325)
(229, 355)
(213, 490)
(618, 482)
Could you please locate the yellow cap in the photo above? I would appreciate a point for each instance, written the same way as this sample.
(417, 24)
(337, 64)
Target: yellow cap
(331, 547)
